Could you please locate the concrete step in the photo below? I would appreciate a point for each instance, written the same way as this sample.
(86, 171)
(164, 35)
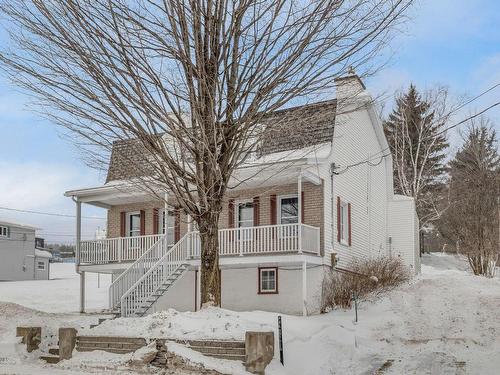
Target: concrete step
(50, 359)
(111, 345)
(208, 350)
(110, 339)
(214, 343)
(54, 351)
(108, 350)
(232, 357)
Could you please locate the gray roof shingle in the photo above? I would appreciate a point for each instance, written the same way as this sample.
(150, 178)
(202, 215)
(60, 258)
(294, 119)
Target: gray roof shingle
(287, 129)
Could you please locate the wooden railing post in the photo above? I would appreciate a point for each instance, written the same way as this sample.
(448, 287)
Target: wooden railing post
(119, 249)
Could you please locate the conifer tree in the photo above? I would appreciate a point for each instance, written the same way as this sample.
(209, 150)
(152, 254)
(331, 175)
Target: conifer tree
(471, 221)
(418, 145)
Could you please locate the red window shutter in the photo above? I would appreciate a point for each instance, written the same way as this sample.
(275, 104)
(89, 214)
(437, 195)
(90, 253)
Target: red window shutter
(123, 224)
(156, 221)
(338, 219)
(273, 209)
(349, 223)
(302, 207)
(177, 225)
(230, 214)
(256, 211)
(143, 222)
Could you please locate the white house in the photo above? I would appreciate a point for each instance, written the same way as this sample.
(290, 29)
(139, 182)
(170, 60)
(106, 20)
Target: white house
(320, 188)
(20, 259)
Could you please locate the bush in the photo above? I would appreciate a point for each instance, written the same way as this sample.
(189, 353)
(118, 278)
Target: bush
(365, 278)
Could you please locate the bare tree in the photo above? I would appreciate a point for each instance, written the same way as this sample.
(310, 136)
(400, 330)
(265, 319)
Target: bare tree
(472, 220)
(418, 144)
(187, 82)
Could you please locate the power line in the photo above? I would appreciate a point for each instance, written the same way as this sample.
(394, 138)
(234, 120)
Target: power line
(465, 120)
(49, 213)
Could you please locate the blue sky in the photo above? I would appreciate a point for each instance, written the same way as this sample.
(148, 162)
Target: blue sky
(445, 42)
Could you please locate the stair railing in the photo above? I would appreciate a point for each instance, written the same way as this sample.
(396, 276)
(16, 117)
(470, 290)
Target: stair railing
(136, 297)
(136, 270)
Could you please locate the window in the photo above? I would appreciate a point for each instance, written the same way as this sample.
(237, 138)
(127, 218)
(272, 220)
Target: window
(344, 222)
(244, 219)
(40, 266)
(134, 224)
(4, 231)
(245, 215)
(289, 210)
(268, 280)
(168, 227)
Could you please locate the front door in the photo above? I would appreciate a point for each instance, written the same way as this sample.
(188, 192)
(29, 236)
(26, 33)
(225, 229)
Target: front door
(244, 219)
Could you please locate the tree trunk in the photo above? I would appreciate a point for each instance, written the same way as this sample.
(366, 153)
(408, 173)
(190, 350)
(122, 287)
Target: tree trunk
(210, 277)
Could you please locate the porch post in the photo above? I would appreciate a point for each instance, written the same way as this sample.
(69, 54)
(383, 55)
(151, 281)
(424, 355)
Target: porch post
(299, 206)
(304, 288)
(77, 253)
(165, 218)
(189, 229)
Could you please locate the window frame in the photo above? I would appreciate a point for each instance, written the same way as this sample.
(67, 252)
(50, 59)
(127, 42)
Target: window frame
(287, 196)
(38, 263)
(4, 231)
(128, 230)
(163, 225)
(262, 291)
(344, 222)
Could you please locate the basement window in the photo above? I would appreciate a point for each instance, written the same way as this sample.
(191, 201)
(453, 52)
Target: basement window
(268, 280)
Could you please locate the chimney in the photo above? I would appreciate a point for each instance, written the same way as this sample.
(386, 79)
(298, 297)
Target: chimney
(350, 87)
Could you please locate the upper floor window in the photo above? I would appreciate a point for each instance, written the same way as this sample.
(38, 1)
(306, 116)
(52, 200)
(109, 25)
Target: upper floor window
(344, 222)
(4, 231)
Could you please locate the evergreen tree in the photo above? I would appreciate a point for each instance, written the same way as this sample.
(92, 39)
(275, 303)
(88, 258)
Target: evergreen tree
(471, 221)
(418, 145)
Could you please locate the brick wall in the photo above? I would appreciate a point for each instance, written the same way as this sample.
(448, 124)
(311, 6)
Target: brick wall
(313, 208)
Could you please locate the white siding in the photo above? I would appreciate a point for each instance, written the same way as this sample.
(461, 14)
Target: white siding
(17, 254)
(365, 186)
(404, 232)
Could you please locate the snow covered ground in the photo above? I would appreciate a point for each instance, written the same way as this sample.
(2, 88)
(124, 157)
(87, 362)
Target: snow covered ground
(446, 321)
(61, 293)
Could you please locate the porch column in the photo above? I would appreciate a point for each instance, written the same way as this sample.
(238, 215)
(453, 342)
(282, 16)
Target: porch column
(304, 288)
(165, 218)
(77, 253)
(299, 206)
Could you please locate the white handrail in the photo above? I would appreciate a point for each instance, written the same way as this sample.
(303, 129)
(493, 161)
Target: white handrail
(121, 249)
(130, 276)
(149, 283)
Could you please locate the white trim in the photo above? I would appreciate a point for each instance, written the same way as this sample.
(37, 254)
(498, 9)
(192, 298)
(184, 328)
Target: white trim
(4, 231)
(270, 291)
(344, 222)
(127, 223)
(285, 196)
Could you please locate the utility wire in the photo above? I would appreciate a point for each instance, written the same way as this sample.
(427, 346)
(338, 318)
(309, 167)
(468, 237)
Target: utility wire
(49, 213)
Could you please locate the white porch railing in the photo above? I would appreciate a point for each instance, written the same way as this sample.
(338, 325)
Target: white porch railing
(136, 270)
(265, 239)
(284, 238)
(136, 297)
(122, 249)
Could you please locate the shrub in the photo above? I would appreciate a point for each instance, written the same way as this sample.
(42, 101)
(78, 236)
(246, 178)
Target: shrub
(363, 277)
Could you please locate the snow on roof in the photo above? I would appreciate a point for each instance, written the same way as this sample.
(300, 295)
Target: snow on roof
(42, 254)
(17, 224)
